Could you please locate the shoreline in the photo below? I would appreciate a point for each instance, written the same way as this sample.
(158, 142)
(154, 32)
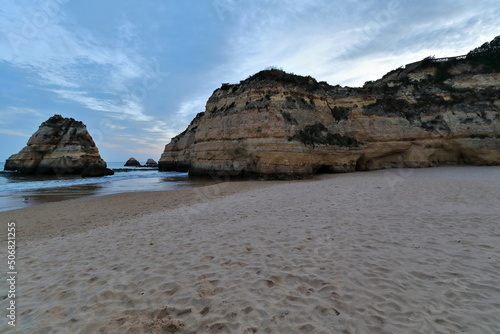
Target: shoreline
(50, 192)
(57, 214)
(56, 219)
(375, 252)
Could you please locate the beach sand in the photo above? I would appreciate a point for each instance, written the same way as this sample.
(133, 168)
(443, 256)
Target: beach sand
(396, 251)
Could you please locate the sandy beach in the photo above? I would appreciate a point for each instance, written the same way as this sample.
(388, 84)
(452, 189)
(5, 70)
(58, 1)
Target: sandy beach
(390, 251)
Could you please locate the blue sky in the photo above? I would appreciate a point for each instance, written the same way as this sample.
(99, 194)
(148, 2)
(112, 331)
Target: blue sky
(137, 72)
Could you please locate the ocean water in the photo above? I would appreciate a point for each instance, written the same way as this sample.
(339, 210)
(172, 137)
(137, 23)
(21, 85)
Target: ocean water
(18, 191)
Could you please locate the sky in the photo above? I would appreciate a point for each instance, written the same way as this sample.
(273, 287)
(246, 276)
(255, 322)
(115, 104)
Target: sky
(137, 72)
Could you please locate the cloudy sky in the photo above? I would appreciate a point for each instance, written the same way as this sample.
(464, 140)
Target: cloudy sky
(137, 72)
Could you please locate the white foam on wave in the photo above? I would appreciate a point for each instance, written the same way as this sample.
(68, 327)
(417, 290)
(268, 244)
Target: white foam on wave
(11, 182)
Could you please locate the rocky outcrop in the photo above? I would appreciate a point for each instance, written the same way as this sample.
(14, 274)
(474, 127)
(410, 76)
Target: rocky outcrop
(279, 124)
(96, 170)
(151, 163)
(132, 162)
(59, 146)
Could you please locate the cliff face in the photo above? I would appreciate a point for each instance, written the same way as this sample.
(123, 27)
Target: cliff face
(275, 123)
(59, 146)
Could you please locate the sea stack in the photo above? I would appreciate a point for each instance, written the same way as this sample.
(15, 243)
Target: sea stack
(151, 163)
(59, 146)
(275, 124)
(132, 162)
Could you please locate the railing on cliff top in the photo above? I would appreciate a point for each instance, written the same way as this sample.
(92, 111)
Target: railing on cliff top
(435, 60)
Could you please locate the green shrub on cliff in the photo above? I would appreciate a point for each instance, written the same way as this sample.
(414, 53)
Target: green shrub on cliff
(308, 83)
(340, 113)
(289, 118)
(318, 134)
(487, 54)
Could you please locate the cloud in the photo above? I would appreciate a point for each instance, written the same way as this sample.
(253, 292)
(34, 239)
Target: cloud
(143, 140)
(74, 63)
(13, 133)
(191, 106)
(122, 108)
(152, 152)
(110, 145)
(177, 121)
(20, 111)
(108, 59)
(13, 115)
(107, 125)
(158, 134)
(146, 143)
(333, 40)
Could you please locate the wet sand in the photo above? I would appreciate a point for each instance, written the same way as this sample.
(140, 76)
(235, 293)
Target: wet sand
(14, 199)
(400, 251)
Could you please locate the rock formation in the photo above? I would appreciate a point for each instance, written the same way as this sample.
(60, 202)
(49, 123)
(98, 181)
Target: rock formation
(132, 162)
(59, 146)
(96, 170)
(151, 163)
(276, 124)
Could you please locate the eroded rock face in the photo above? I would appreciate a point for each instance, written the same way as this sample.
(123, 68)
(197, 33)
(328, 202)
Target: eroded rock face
(59, 146)
(278, 124)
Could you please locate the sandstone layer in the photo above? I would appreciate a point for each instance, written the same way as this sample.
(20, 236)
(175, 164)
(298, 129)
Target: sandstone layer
(59, 146)
(278, 124)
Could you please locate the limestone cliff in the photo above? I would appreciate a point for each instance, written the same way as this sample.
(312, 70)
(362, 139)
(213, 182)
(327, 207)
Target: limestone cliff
(431, 113)
(59, 146)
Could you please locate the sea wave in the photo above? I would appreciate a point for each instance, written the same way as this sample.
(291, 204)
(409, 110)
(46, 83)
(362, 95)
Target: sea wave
(12, 181)
(133, 169)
